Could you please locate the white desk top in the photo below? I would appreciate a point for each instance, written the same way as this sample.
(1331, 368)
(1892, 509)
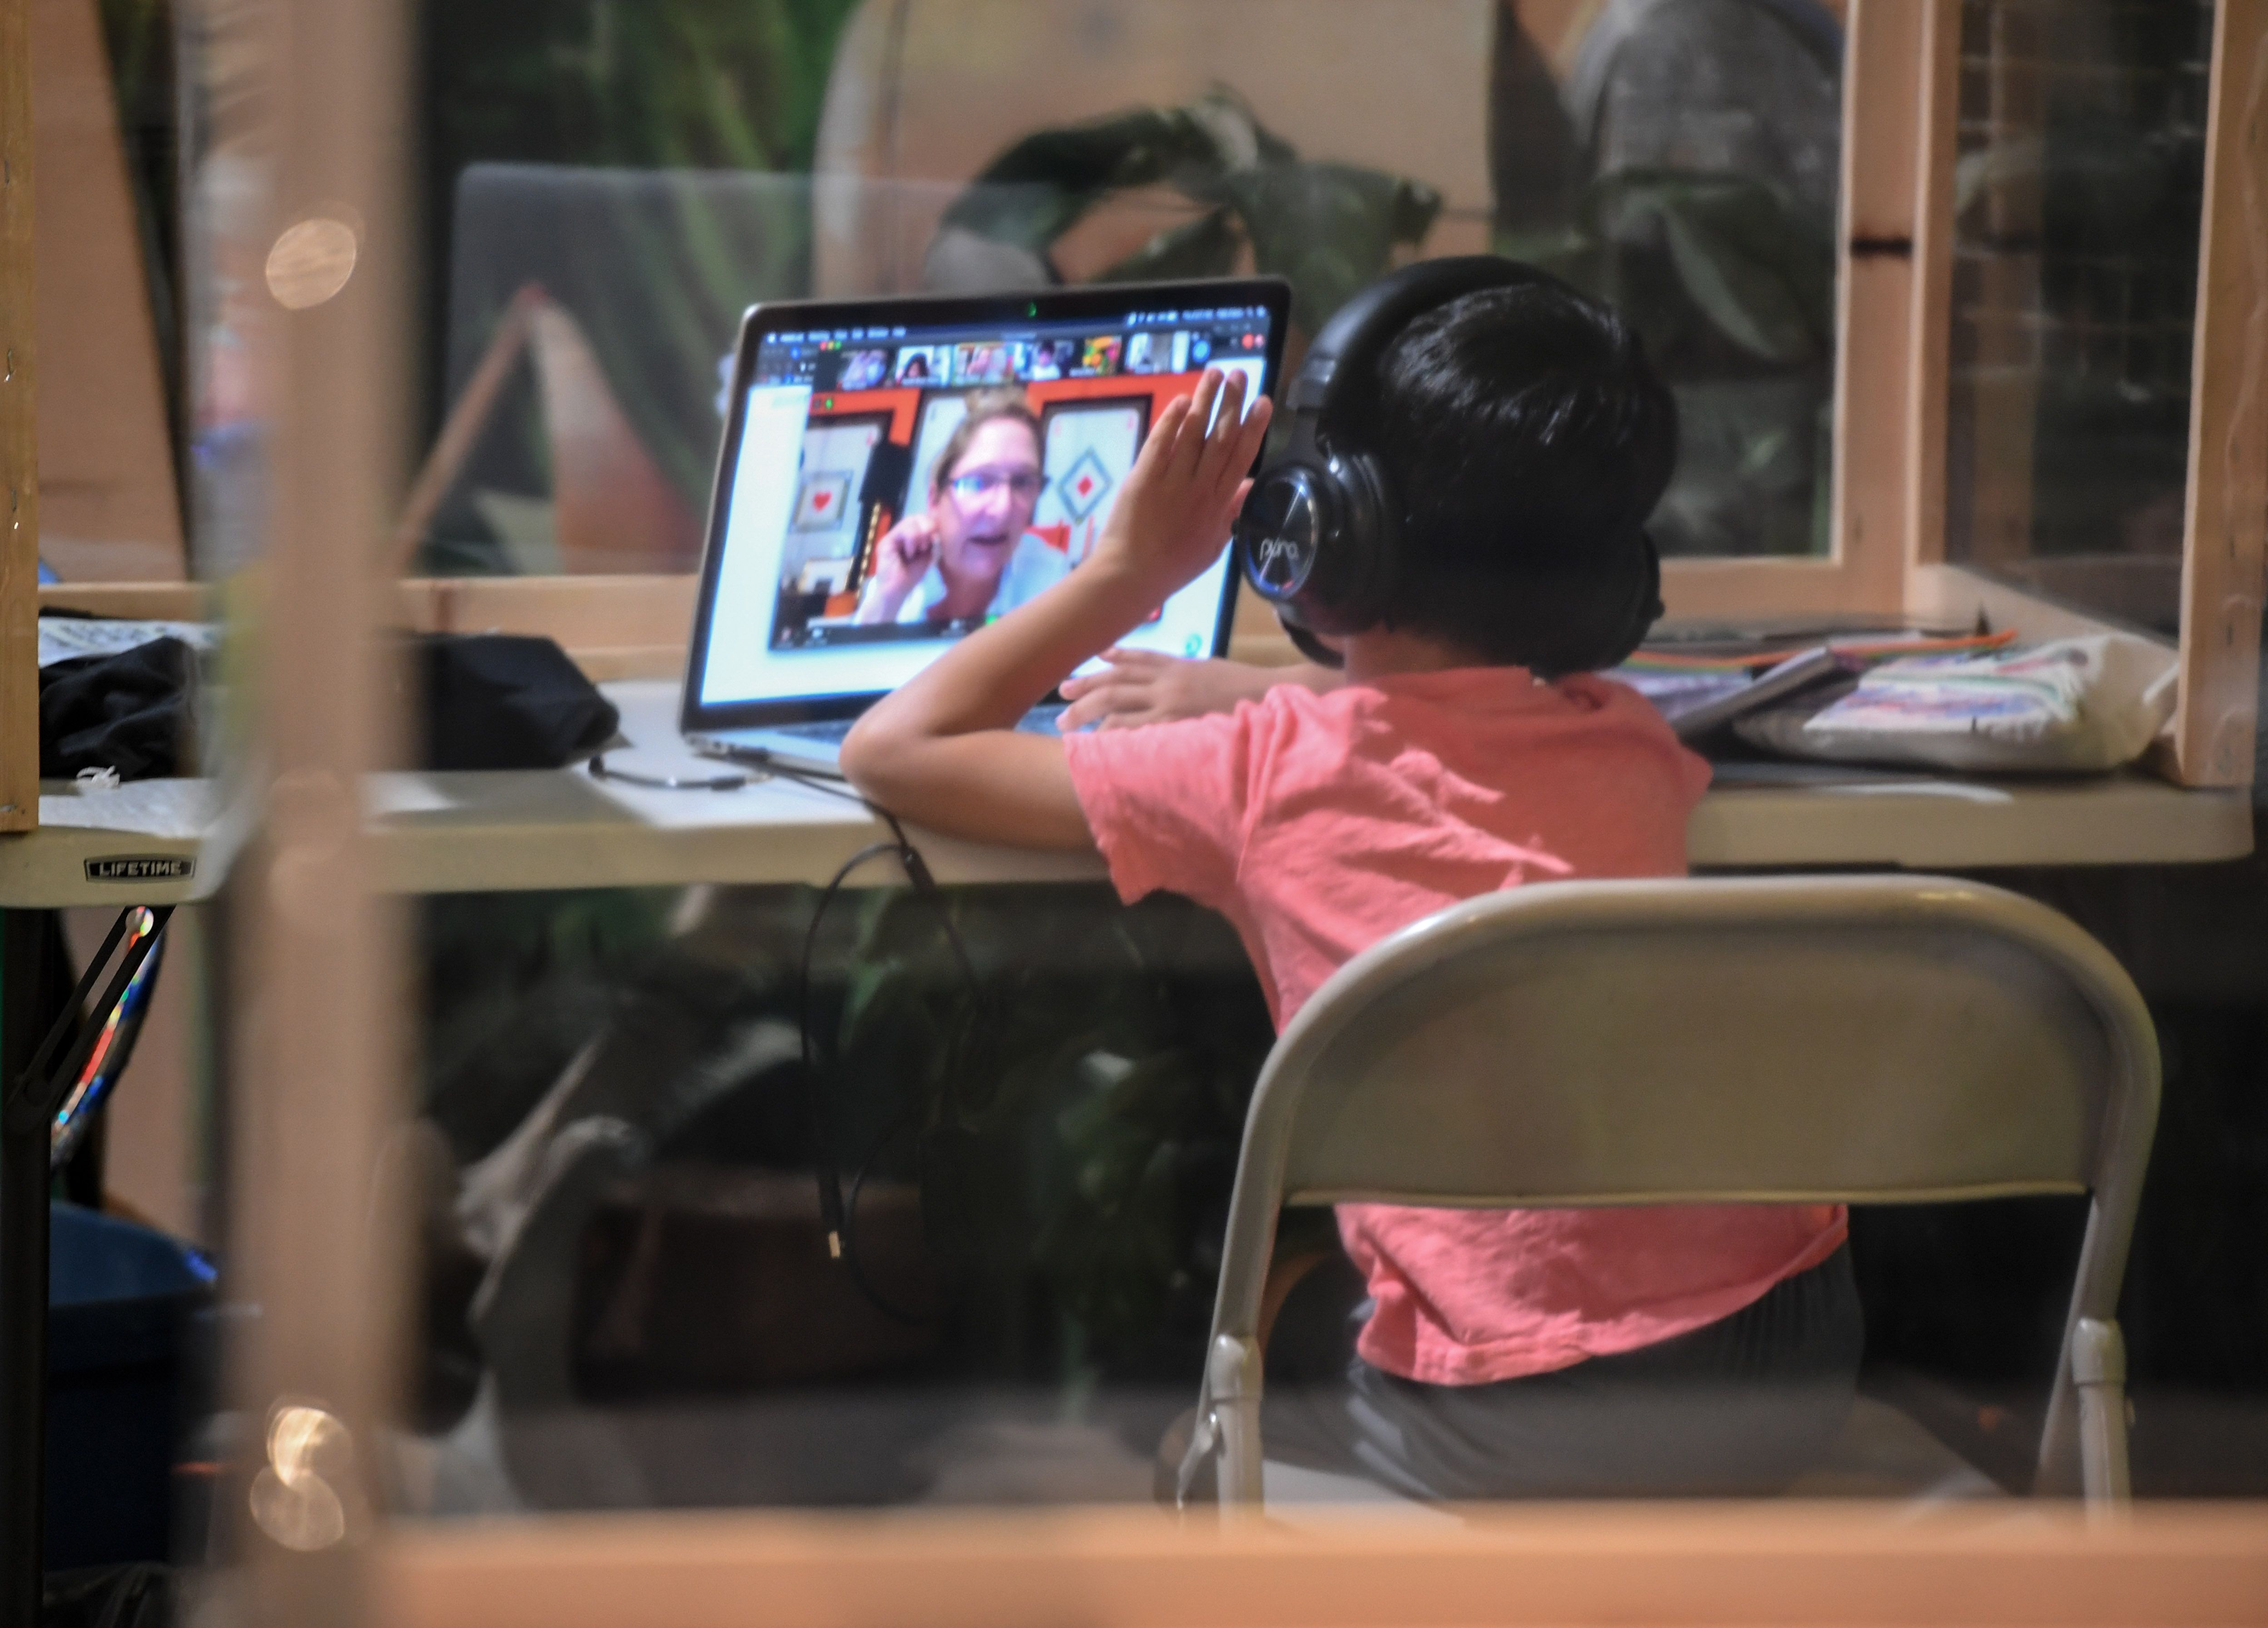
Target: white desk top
(450, 833)
(138, 844)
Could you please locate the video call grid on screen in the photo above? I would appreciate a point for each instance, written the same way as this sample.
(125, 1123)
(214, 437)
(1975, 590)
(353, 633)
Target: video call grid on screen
(839, 434)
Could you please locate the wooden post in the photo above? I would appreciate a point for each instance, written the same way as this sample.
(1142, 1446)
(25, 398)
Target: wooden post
(319, 1026)
(2228, 511)
(1883, 99)
(467, 419)
(1929, 363)
(19, 446)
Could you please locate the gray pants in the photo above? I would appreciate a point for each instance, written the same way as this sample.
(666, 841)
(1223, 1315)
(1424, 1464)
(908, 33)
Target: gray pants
(1739, 1408)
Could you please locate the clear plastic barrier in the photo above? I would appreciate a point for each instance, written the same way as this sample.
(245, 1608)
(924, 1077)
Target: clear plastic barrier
(613, 1126)
(2079, 191)
(1682, 159)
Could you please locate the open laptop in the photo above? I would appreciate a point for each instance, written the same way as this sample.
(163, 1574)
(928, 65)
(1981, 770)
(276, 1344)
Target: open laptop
(839, 411)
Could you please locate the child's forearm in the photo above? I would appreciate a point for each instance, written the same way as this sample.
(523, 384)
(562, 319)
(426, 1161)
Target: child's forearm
(995, 676)
(942, 749)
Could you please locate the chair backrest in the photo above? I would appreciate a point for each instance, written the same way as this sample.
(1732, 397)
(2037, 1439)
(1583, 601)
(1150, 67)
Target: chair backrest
(1652, 1042)
(1863, 1038)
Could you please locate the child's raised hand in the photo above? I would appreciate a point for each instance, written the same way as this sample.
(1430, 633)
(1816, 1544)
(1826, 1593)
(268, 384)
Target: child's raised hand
(1187, 484)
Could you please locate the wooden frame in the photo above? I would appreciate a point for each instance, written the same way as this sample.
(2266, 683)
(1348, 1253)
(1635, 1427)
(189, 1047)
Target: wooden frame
(2211, 741)
(615, 627)
(313, 1081)
(2227, 516)
(317, 1036)
(1627, 1565)
(20, 444)
(1894, 332)
(1875, 323)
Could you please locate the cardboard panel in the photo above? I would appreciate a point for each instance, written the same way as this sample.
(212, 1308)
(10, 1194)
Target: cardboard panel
(111, 510)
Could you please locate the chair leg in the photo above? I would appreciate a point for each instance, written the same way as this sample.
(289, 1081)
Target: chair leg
(2098, 1362)
(1233, 1382)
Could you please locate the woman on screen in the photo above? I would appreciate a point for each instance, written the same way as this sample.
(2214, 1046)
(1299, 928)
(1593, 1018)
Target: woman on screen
(971, 554)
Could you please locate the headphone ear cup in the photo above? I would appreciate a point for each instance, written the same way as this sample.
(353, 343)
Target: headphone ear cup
(1352, 582)
(1285, 532)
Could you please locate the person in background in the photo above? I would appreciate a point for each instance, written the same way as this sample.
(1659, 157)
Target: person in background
(970, 554)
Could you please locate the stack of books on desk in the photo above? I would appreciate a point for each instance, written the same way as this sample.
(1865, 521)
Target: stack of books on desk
(1703, 679)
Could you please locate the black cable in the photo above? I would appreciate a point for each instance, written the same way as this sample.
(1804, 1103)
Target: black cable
(830, 1180)
(926, 884)
(836, 1212)
(34, 1094)
(859, 1278)
(31, 1085)
(598, 770)
(833, 782)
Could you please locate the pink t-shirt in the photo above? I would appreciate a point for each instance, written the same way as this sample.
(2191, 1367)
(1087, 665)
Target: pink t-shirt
(1319, 824)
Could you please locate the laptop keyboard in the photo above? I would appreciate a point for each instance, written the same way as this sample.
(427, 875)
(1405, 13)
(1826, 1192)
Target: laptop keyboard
(830, 730)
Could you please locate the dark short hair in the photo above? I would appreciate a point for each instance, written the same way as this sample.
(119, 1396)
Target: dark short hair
(1525, 439)
(985, 405)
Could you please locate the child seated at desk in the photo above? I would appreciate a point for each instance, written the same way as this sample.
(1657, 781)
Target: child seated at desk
(1501, 1353)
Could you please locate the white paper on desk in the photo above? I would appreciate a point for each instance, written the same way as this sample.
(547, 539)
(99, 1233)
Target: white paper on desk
(1957, 790)
(66, 639)
(182, 809)
(387, 794)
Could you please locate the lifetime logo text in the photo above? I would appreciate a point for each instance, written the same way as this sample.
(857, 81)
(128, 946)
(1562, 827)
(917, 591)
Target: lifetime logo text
(141, 868)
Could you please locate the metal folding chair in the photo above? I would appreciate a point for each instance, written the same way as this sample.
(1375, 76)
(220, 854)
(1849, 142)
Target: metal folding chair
(1861, 1039)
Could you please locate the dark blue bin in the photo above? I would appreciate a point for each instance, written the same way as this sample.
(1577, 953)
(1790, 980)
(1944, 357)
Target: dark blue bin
(120, 1303)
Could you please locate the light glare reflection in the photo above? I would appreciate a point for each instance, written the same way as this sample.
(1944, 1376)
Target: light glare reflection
(292, 1500)
(311, 261)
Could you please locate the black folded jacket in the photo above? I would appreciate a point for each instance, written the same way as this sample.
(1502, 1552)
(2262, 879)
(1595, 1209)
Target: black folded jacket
(484, 701)
(504, 701)
(130, 711)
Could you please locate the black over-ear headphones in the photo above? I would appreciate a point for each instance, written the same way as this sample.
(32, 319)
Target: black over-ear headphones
(1321, 534)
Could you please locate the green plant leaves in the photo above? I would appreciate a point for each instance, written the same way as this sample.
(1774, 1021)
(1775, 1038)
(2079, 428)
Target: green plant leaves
(1732, 289)
(1762, 273)
(1037, 190)
(1203, 247)
(1084, 1108)
(1328, 228)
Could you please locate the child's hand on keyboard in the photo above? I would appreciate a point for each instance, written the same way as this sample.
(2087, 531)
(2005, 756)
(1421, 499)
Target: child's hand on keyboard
(1141, 686)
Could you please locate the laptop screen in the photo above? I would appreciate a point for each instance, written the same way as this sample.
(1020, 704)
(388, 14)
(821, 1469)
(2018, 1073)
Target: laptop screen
(897, 474)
